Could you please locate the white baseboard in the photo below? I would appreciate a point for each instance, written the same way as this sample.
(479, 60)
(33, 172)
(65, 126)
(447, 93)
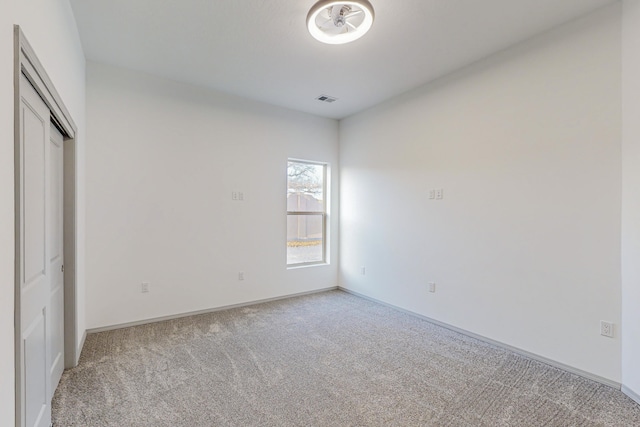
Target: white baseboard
(205, 311)
(632, 394)
(542, 359)
(588, 375)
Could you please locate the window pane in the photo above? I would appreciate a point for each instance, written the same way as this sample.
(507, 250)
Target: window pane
(304, 239)
(305, 187)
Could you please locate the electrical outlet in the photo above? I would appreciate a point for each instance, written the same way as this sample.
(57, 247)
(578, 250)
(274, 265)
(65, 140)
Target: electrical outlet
(432, 194)
(144, 287)
(240, 196)
(241, 275)
(439, 194)
(432, 286)
(363, 270)
(234, 195)
(606, 329)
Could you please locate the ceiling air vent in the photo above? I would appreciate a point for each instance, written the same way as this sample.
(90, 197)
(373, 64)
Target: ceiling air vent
(326, 98)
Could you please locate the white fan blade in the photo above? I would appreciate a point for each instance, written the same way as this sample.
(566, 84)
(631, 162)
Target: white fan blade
(350, 25)
(327, 24)
(354, 13)
(335, 11)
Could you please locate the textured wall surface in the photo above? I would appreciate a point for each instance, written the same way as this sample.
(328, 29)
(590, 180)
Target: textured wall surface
(163, 159)
(50, 27)
(631, 196)
(525, 245)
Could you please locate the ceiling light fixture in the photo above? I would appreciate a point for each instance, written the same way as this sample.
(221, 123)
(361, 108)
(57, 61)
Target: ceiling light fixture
(339, 22)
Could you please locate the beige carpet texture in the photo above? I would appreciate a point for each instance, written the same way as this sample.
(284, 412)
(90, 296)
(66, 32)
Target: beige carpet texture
(327, 359)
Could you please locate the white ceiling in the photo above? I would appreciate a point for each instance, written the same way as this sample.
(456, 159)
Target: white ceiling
(261, 49)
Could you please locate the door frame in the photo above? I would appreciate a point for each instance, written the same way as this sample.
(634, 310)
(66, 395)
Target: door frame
(26, 62)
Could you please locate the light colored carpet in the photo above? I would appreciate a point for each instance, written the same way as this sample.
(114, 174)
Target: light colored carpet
(328, 359)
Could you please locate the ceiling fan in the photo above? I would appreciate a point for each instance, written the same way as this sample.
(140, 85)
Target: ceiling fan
(338, 22)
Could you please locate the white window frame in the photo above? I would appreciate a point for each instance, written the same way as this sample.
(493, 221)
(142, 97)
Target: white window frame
(325, 167)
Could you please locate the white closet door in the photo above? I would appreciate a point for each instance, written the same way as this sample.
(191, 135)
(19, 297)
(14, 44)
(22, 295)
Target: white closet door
(34, 276)
(56, 250)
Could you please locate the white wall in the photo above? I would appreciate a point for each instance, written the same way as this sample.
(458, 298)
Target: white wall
(162, 161)
(6, 214)
(49, 26)
(631, 196)
(525, 245)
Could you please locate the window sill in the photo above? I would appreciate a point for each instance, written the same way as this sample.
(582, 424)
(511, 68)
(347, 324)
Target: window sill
(299, 266)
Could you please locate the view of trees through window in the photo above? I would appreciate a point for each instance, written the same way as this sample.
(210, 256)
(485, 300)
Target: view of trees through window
(306, 219)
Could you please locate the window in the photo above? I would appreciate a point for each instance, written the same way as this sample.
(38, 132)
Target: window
(306, 213)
